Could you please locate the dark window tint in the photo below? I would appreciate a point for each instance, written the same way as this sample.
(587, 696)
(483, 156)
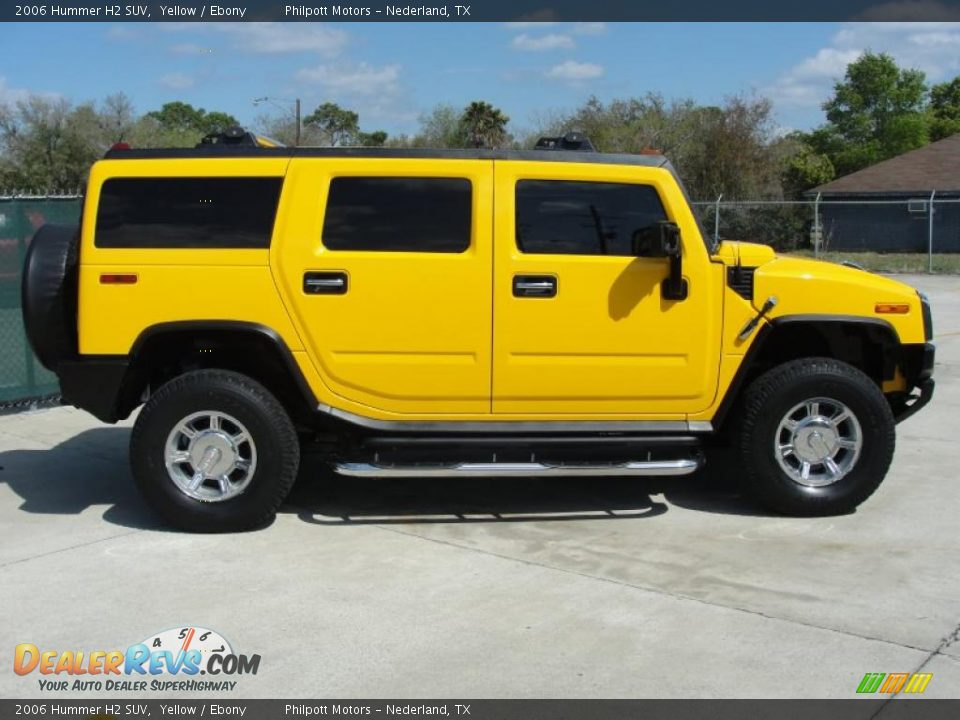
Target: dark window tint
(398, 214)
(187, 212)
(583, 218)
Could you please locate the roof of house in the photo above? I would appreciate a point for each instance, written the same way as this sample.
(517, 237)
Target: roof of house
(933, 167)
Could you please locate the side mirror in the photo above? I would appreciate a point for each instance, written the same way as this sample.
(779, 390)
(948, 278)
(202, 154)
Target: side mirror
(660, 240)
(663, 240)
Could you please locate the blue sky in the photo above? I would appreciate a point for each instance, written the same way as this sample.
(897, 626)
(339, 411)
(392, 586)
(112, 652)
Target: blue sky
(392, 72)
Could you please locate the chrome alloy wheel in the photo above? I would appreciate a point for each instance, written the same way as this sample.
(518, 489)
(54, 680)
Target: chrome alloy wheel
(818, 442)
(210, 456)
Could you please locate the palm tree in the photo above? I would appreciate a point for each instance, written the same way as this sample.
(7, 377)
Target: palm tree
(483, 125)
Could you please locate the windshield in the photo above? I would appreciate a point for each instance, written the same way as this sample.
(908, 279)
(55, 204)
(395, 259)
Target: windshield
(708, 240)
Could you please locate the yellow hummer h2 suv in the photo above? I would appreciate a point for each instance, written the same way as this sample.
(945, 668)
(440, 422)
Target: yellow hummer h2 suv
(457, 313)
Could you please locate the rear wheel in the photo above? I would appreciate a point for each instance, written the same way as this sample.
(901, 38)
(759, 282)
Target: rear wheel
(214, 451)
(817, 437)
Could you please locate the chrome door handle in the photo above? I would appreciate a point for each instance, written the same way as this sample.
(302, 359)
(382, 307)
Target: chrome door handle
(325, 283)
(539, 286)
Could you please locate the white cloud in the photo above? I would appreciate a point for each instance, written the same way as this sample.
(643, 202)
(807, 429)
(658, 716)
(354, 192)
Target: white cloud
(11, 95)
(273, 37)
(176, 81)
(808, 83)
(931, 47)
(573, 71)
(360, 79)
(190, 49)
(288, 37)
(551, 41)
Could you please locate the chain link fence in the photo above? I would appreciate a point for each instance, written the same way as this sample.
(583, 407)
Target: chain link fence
(23, 380)
(926, 224)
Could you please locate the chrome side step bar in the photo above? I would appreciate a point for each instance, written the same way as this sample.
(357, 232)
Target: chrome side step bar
(683, 466)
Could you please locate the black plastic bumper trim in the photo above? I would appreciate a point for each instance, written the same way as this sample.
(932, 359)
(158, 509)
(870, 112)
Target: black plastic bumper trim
(922, 400)
(94, 384)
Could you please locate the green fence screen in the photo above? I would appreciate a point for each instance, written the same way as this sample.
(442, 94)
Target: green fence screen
(22, 377)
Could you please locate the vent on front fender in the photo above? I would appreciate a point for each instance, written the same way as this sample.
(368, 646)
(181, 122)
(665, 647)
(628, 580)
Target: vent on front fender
(740, 280)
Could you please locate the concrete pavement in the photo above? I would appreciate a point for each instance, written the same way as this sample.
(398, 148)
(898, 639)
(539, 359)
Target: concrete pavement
(500, 588)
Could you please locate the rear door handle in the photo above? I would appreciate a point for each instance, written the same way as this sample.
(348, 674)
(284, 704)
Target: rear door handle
(325, 283)
(538, 286)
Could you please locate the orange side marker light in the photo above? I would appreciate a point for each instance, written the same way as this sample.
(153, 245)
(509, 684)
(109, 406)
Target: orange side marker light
(118, 278)
(891, 308)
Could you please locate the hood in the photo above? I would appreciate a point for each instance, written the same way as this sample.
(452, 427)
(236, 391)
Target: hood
(750, 254)
(816, 287)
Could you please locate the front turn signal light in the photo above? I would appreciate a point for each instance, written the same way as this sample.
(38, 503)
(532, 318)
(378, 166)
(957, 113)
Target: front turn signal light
(891, 308)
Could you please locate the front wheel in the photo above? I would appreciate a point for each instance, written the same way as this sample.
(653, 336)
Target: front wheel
(817, 437)
(214, 451)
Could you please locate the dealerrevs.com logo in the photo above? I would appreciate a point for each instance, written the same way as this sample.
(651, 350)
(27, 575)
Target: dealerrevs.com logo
(169, 661)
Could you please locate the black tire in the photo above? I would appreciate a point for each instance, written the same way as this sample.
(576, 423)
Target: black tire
(261, 414)
(48, 293)
(771, 396)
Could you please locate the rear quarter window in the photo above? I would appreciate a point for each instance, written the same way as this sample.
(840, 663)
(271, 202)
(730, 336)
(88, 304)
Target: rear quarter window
(187, 212)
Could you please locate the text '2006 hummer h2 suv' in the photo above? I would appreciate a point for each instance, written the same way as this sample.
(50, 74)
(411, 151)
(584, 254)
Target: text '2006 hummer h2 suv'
(457, 313)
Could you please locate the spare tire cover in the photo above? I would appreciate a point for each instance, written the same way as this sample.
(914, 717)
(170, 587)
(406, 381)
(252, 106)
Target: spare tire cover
(49, 293)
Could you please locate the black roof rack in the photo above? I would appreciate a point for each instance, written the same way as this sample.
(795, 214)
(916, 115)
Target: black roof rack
(571, 141)
(234, 136)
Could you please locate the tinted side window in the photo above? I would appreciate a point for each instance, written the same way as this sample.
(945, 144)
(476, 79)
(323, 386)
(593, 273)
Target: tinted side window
(398, 214)
(583, 218)
(187, 212)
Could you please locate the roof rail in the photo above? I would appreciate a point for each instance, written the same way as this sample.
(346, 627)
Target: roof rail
(570, 141)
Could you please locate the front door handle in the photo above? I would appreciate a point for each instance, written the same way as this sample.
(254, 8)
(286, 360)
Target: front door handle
(538, 286)
(325, 283)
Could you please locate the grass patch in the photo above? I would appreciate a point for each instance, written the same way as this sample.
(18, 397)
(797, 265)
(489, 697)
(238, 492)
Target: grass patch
(943, 263)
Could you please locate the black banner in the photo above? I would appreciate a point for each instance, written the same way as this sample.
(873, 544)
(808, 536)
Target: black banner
(477, 11)
(101, 709)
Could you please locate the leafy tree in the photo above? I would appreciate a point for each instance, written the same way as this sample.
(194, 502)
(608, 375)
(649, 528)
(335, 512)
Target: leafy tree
(377, 138)
(735, 152)
(440, 128)
(178, 116)
(876, 112)
(629, 125)
(945, 109)
(729, 149)
(335, 125)
(483, 125)
(43, 146)
(117, 118)
(804, 169)
(216, 121)
(179, 124)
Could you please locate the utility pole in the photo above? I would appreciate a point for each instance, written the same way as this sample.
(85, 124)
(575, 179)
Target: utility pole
(277, 101)
(297, 141)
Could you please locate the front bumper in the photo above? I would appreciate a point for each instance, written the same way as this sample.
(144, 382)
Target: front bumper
(916, 402)
(923, 384)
